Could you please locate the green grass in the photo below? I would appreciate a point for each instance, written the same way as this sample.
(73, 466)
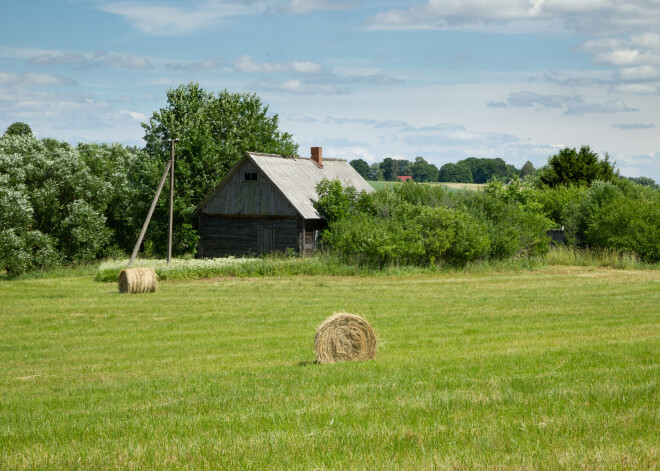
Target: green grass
(551, 369)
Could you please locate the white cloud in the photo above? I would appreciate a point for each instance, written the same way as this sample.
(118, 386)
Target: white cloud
(571, 104)
(450, 134)
(34, 80)
(301, 118)
(633, 126)
(351, 153)
(368, 122)
(247, 65)
(167, 20)
(610, 106)
(208, 64)
(97, 59)
(639, 74)
(300, 87)
(580, 15)
(302, 7)
(641, 165)
(636, 88)
(638, 60)
(135, 115)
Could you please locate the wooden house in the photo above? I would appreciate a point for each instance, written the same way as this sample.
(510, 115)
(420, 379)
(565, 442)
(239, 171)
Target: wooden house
(265, 204)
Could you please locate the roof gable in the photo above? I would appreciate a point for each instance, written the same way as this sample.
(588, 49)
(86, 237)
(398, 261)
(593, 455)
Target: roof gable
(296, 179)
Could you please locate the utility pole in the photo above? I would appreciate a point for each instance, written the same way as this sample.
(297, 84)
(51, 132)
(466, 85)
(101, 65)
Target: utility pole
(169, 167)
(169, 236)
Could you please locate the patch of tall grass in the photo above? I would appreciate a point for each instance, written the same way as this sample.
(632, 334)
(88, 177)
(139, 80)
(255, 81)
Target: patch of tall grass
(329, 265)
(606, 257)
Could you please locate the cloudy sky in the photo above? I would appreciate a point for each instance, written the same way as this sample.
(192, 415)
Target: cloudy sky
(442, 79)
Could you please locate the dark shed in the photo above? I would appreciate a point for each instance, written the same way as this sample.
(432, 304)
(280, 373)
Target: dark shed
(265, 204)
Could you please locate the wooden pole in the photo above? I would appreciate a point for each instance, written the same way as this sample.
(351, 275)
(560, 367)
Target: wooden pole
(151, 211)
(169, 235)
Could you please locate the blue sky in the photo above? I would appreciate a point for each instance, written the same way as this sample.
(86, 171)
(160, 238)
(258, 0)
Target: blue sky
(516, 79)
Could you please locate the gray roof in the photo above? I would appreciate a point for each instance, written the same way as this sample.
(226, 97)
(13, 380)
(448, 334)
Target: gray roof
(297, 178)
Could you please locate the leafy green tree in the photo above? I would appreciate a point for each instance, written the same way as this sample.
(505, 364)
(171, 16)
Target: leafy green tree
(404, 166)
(390, 168)
(582, 167)
(361, 167)
(377, 172)
(60, 203)
(645, 181)
(456, 173)
(18, 129)
(336, 201)
(527, 170)
(422, 171)
(214, 132)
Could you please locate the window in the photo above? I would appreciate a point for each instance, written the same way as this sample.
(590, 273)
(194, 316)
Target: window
(250, 176)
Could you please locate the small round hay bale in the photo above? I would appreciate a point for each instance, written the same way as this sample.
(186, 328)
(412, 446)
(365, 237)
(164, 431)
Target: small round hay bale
(343, 337)
(138, 280)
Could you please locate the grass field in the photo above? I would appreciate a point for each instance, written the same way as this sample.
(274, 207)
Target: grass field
(551, 369)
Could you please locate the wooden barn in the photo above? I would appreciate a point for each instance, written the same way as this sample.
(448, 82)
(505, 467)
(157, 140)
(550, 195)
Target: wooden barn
(265, 204)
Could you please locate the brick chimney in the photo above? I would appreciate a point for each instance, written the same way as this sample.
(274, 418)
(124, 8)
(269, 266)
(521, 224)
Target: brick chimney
(317, 156)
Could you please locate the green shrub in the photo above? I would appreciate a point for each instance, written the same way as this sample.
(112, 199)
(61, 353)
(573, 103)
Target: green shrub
(624, 218)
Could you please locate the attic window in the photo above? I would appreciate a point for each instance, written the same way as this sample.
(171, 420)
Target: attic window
(250, 176)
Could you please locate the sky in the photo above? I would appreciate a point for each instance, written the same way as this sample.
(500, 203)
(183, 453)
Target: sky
(441, 79)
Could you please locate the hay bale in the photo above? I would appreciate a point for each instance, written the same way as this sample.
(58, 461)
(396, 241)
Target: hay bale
(138, 280)
(343, 337)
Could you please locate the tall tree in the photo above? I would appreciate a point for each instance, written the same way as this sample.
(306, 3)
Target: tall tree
(527, 169)
(214, 132)
(377, 172)
(572, 167)
(390, 168)
(362, 167)
(456, 173)
(18, 129)
(422, 171)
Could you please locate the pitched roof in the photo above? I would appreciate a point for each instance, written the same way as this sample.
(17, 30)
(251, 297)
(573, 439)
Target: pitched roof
(297, 178)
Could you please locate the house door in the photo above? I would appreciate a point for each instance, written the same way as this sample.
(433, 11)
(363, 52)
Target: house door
(266, 240)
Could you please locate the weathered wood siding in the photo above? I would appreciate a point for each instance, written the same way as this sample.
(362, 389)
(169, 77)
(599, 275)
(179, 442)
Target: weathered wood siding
(241, 197)
(222, 236)
(311, 235)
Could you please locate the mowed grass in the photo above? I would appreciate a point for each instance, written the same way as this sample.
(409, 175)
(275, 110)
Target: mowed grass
(551, 369)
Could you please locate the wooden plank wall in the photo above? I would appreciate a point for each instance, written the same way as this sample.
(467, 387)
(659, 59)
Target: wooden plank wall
(222, 236)
(249, 198)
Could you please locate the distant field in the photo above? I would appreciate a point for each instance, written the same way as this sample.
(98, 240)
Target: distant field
(551, 369)
(377, 185)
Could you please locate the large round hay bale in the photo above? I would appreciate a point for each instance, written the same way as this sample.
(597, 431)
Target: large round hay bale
(138, 280)
(343, 337)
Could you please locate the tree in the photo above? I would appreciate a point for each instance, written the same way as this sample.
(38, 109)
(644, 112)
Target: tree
(362, 168)
(582, 167)
(18, 129)
(390, 168)
(527, 170)
(456, 173)
(644, 181)
(376, 172)
(422, 171)
(214, 132)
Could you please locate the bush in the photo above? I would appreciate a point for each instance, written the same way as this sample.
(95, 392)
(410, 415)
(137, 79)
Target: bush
(622, 217)
(424, 225)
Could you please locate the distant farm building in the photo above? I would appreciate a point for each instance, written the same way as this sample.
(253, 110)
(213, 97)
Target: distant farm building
(265, 204)
(405, 178)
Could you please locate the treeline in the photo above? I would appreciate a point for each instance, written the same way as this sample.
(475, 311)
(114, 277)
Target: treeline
(470, 170)
(425, 225)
